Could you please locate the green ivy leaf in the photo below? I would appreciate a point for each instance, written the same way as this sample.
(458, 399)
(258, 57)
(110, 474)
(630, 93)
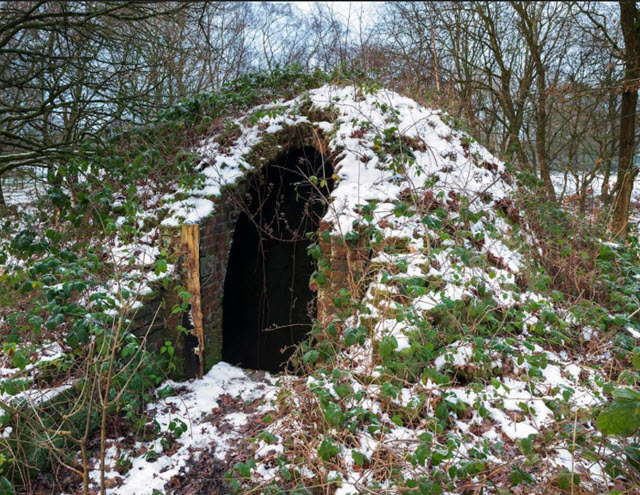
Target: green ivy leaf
(311, 357)
(327, 449)
(636, 358)
(622, 417)
(334, 415)
(432, 222)
(564, 480)
(387, 346)
(359, 458)
(353, 335)
(19, 360)
(526, 445)
(244, 469)
(5, 487)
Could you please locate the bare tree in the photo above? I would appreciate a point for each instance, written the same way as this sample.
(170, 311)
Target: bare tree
(629, 22)
(69, 71)
(532, 80)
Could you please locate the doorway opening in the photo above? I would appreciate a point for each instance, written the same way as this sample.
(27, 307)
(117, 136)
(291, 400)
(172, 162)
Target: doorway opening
(268, 306)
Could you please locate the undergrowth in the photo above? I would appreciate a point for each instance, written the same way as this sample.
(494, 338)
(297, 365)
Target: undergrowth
(576, 293)
(74, 272)
(388, 362)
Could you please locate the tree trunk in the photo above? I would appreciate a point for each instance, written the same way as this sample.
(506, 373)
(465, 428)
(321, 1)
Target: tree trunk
(626, 174)
(582, 199)
(435, 57)
(605, 189)
(530, 26)
(2, 200)
(541, 130)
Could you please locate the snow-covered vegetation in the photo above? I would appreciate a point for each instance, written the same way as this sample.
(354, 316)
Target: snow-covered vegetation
(489, 345)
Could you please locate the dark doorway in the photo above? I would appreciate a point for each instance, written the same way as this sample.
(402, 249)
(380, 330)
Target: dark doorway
(267, 302)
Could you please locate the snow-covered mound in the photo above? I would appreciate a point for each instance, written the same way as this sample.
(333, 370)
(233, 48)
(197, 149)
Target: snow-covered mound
(450, 373)
(385, 142)
(446, 371)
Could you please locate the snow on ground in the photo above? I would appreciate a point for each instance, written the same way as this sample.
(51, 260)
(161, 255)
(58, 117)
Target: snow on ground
(200, 410)
(569, 185)
(22, 193)
(42, 354)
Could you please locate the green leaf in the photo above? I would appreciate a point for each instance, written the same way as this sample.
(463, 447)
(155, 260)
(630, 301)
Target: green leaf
(19, 360)
(268, 438)
(311, 357)
(5, 487)
(15, 386)
(161, 266)
(526, 445)
(129, 349)
(636, 358)
(388, 391)
(358, 457)
(626, 395)
(397, 420)
(623, 416)
(334, 415)
(351, 236)
(387, 346)
(353, 335)
(518, 476)
(566, 480)
(243, 469)
(606, 253)
(433, 223)
(332, 329)
(633, 455)
(344, 389)
(327, 449)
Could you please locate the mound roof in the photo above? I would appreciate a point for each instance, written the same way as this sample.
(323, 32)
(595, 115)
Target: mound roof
(382, 144)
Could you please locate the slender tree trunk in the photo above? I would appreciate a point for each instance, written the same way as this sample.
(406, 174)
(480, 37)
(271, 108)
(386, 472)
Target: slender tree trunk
(629, 21)
(610, 147)
(2, 200)
(541, 131)
(530, 26)
(582, 200)
(605, 190)
(435, 57)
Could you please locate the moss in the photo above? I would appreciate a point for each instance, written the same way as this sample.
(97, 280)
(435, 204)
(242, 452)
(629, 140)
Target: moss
(397, 245)
(212, 348)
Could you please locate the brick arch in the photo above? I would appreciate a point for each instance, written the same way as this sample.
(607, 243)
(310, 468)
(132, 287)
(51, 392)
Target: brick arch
(217, 232)
(155, 320)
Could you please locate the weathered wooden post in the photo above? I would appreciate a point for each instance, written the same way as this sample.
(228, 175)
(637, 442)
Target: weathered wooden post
(190, 237)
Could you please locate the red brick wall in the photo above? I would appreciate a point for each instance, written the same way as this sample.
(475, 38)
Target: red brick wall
(216, 234)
